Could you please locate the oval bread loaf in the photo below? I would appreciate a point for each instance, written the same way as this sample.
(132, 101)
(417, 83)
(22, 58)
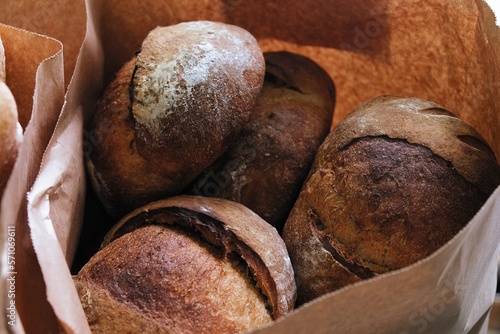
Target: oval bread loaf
(393, 182)
(171, 111)
(187, 264)
(266, 165)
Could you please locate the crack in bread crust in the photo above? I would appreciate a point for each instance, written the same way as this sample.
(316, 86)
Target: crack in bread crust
(343, 257)
(234, 228)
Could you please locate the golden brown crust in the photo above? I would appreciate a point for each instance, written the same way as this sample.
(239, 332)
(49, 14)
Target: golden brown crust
(101, 311)
(10, 129)
(166, 279)
(191, 73)
(378, 198)
(235, 228)
(179, 104)
(267, 164)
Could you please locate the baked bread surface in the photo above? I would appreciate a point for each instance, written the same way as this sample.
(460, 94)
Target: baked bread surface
(266, 165)
(393, 182)
(171, 111)
(188, 265)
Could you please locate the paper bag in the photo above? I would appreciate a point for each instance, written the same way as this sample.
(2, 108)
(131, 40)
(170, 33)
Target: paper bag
(444, 51)
(34, 74)
(63, 20)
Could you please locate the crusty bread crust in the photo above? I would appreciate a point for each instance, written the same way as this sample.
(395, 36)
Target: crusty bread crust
(164, 277)
(266, 165)
(233, 227)
(172, 110)
(385, 192)
(188, 265)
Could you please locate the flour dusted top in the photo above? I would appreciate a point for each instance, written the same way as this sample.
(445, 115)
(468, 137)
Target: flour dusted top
(171, 111)
(194, 75)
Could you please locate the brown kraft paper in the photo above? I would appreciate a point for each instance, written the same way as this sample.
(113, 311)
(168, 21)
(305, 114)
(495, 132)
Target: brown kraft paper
(35, 76)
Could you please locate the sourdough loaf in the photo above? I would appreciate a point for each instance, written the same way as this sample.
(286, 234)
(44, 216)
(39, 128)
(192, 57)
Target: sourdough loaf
(187, 264)
(394, 181)
(266, 165)
(171, 111)
(11, 132)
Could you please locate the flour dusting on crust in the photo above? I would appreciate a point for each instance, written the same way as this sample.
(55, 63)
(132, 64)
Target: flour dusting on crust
(190, 64)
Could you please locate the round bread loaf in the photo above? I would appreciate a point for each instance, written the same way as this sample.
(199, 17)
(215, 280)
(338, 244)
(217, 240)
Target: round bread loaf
(266, 165)
(392, 183)
(187, 264)
(10, 129)
(171, 111)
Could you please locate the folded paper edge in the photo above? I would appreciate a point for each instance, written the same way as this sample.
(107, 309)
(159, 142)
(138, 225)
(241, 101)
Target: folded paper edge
(15, 191)
(70, 312)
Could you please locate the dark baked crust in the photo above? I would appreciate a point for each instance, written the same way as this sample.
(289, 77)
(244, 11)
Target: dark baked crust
(429, 124)
(265, 167)
(381, 197)
(118, 173)
(189, 264)
(171, 111)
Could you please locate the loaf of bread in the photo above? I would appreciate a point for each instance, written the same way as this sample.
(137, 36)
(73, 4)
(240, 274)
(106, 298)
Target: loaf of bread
(187, 264)
(171, 111)
(266, 165)
(393, 182)
(10, 130)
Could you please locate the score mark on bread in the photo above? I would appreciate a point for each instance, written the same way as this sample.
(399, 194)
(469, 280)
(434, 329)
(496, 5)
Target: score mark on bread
(268, 162)
(188, 264)
(394, 181)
